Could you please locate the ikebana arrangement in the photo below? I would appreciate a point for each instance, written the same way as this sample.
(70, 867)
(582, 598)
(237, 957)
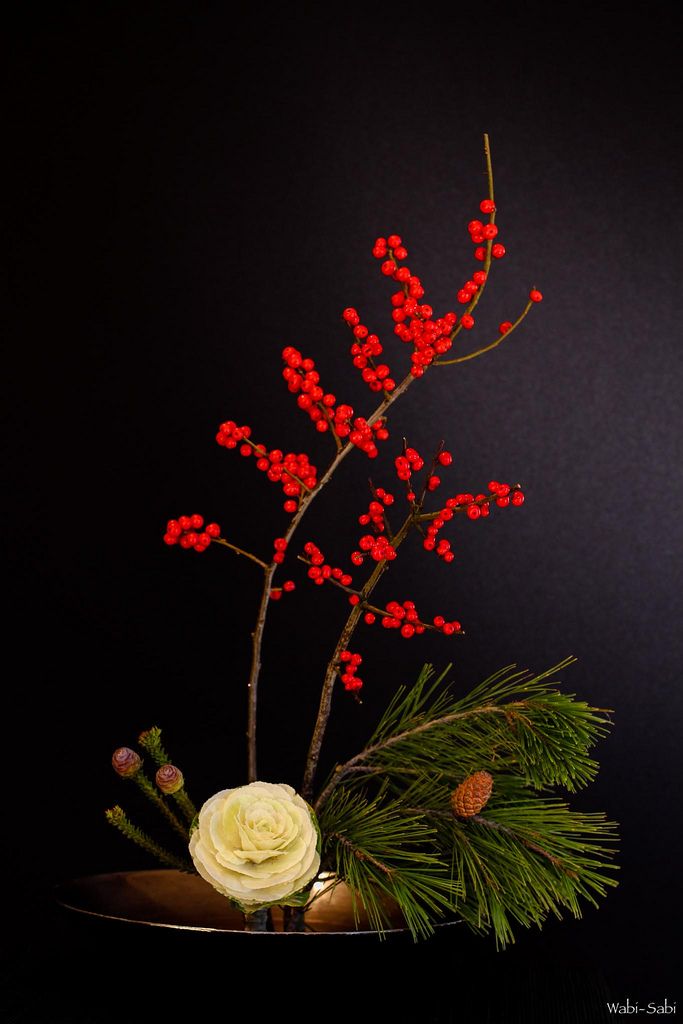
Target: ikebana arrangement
(450, 809)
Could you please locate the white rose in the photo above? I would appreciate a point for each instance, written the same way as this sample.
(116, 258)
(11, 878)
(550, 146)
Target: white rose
(256, 844)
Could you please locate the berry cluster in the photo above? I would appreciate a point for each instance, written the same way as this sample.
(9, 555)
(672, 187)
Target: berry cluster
(279, 549)
(505, 495)
(475, 507)
(399, 616)
(410, 462)
(413, 320)
(190, 532)
(320, 571)
(364, 349)
(287, 587)
(348, 667)
(365, 434)
(481, 233)
(467, 293)
(303, 380)
(405, 618)
(378, 547)
(294, 472)
(375, 512)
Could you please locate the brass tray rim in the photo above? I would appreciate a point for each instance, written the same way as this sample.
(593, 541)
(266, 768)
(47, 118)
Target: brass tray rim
(61, 898)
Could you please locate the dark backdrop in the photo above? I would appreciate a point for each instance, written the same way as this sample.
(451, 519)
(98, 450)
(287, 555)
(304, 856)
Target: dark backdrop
(197, 189)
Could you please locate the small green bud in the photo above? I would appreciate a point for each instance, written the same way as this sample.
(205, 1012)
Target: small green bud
(169, 779)
(126, 762)
(152, 736)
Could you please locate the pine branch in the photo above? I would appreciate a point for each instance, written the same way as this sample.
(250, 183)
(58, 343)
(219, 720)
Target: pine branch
(527, 856)
(513, 720)
(386, 856)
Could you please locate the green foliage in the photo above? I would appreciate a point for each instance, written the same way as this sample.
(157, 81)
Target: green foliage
(525, 856)
(150, 741)
(118, 818)
(513, 720)
(385, 854)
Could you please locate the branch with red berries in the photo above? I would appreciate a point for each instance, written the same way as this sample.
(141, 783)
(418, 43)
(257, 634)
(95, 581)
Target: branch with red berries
(430, 339)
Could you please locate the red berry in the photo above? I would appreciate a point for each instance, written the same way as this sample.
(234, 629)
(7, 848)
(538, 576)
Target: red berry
(388, 267)
(407, 629)
(433, 482)
(467, 321)
(275, 595)
(475, 227)
(289, 585)
(498, 251)
(490, 231)
(480, 253)
(280, 544)
(487, 206)
(445, 458)
(473, 512)
(185, 522)
(369, 618)
(505, 327)
(170, 538)
(517, 498)
(197, 522)
(393, 241)
(535, 295)
(354, 599)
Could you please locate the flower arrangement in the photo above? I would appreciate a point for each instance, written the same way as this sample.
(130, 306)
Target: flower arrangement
(450, 807)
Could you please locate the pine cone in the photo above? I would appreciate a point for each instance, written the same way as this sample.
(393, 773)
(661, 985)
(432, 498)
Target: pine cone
(471, 795)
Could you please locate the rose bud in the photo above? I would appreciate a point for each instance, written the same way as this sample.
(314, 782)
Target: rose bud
(126, 762)
(169, 779)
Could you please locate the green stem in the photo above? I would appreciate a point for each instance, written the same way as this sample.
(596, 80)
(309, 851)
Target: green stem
(147, 787)
(116, 817)
(185, 804)
(488, 348)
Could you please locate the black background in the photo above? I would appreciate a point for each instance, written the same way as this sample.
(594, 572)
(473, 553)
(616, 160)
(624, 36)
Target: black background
(197, 188)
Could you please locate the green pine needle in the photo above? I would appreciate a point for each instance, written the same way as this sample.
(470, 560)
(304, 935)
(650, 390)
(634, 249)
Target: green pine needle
(389, 831)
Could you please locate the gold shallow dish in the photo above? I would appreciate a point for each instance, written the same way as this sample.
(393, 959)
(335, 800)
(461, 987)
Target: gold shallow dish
(166, 898)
